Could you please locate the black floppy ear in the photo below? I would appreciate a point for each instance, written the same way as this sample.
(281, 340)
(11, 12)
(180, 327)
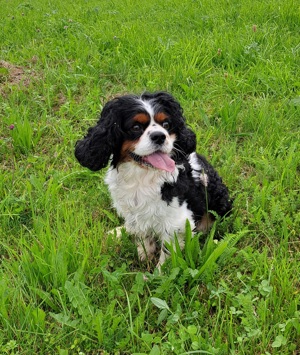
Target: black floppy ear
(186, 140)
(96, 148)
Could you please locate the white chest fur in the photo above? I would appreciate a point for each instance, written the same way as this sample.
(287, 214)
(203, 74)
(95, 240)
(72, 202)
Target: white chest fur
(136, 194)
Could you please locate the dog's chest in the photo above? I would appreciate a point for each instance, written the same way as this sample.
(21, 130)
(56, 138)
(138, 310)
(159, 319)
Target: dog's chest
(136, 195)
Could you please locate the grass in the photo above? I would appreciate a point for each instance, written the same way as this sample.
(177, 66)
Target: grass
(66, 286)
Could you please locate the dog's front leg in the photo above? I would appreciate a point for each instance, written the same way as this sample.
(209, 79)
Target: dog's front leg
(164, 252)
(146, 248)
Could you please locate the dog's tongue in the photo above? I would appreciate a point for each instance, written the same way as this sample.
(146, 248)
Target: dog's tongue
(160, 161)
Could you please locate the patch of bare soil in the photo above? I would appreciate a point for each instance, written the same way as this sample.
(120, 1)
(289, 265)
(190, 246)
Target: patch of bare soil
(11, 74)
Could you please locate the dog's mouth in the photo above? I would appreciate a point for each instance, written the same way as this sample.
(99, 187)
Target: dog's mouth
(157, 160)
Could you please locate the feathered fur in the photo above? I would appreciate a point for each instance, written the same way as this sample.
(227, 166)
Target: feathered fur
(156, 179)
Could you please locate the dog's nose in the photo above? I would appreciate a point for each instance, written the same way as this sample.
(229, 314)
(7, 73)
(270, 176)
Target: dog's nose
(158, 137)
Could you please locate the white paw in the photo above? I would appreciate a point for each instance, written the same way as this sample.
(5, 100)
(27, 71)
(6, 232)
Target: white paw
(146, 249)
(162, 258)
(116, 232)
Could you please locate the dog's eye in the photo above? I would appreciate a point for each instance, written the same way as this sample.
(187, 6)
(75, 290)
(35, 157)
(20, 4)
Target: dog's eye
(136, 128)
(166, 125)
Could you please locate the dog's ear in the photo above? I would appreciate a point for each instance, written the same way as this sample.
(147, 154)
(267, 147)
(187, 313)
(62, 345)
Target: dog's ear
(101, 141)
(186, 140)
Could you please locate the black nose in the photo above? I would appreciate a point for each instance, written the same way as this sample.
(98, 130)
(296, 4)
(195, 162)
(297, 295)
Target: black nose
(158, 137)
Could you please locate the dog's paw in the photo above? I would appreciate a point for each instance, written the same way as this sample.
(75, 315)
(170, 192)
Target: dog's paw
(116, 232)
(146, 249)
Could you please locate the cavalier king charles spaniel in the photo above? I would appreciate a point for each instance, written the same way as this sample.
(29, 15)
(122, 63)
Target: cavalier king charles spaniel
(156, 179)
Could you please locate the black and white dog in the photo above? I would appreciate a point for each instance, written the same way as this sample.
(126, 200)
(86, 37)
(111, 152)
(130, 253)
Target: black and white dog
(156, 179)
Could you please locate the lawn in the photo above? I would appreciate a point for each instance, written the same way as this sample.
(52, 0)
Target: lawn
(67, 286)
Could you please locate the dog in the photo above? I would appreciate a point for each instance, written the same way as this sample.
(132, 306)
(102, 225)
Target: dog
(156, 179)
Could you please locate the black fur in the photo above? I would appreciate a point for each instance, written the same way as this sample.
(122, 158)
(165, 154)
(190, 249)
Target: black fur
(215, 194)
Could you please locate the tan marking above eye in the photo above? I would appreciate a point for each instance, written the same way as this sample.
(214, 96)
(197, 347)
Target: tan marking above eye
(160, 117)
(141, 118)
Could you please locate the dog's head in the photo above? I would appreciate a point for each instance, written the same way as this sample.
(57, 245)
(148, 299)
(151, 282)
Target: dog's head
(149, 130)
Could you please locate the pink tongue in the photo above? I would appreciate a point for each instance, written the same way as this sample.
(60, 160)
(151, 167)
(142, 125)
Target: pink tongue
(160, 161)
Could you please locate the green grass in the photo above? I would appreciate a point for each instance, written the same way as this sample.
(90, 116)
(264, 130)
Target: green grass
(66, 286)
